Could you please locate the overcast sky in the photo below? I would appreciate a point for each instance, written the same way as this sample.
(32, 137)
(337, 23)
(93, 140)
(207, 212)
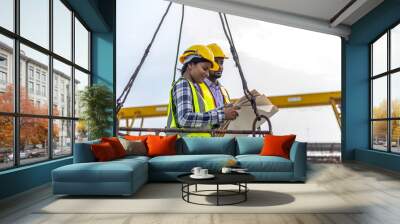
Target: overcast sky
(277, 60)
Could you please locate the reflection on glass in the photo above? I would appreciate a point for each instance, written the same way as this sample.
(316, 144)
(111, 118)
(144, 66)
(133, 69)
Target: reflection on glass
(62, 29)
(395, 47)
(7, 14)
(81, 81)
(379, 97)
(379, 55)
(81, 45)
(34, 96)
(62, 138)
(395, 138)
(81, 131)
(379, 135)
(395, 95)
(35, 21)
(62, 89)
(6, 74)
(6, 142)
(33, 140)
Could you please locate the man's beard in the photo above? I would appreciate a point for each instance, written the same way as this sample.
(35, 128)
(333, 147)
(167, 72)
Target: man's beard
(216, 75)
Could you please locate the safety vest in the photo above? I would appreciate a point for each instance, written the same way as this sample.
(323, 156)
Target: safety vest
(199, 106)
(209, 98)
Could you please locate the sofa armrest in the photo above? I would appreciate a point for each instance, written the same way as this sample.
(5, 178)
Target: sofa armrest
(298, 155)
(83, 152)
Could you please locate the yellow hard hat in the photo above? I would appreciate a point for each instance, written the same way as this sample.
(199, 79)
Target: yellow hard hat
(217, 51)
(201, 51)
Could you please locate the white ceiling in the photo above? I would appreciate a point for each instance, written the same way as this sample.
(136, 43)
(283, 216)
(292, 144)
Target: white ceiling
(315, 15)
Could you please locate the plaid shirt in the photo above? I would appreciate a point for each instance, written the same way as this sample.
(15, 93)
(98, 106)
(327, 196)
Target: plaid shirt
(186, 117)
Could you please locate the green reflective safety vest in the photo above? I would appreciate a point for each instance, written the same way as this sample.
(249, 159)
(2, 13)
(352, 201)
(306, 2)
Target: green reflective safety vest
(209, 97)
(199, 106)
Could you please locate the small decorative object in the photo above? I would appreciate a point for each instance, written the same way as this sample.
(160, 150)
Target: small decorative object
(231, 163)
(226, 170)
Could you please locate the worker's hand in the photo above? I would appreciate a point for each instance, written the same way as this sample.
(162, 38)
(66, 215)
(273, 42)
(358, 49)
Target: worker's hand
(230, 113)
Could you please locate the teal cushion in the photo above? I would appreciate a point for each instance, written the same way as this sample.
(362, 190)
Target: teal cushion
(185, 163)
(257, 163)
(249, 145)
(204, 145)
(83, 152)
(111, 171)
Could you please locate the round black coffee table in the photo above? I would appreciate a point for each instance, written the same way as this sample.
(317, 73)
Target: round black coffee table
(238, 179)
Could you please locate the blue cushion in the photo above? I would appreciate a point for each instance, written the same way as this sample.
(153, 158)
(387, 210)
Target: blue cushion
(185, 163)
(83, 153)
(257, 163)
(249, 145)
(204, 145)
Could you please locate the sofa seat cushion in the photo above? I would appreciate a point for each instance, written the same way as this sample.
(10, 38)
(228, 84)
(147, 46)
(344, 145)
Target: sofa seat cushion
(185, 163)
(112, 171)
(205, 146)
(257, 163)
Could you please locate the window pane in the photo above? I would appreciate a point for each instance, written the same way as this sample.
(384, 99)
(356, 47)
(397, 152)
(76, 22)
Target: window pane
(395, 47)
(379, 55)
(62, 138)
(6, 142)
(395, 94)
(7, 14)
(33, 139)
(62, 29)
(62, 89)
(6, 74)
(35, 21)
(81, 131)
(379, 135)
(81, 45)
(379, 97)
(81, 81)
(395, 138)
(34, 97)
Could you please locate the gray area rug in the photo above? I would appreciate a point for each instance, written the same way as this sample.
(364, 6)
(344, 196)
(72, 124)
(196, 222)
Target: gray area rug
(166, 198)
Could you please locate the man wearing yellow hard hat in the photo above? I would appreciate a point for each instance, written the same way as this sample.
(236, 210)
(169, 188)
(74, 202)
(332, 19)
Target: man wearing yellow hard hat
(214, 93)
(187, 107)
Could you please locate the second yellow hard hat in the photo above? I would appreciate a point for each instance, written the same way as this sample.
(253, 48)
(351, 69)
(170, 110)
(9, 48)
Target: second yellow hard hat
(217, 51)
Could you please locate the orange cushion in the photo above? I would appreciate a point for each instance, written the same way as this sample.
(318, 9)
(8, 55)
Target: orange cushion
(161, 145)
(135, 138)
(277, 145)
(103, 152)
(116, 145)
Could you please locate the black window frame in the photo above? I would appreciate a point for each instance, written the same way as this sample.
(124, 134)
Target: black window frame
(388, 74)
(16, 115)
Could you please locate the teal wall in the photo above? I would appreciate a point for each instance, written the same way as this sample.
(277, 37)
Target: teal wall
(103, 68)
(355, 85)
(99, 16)
(24, 178)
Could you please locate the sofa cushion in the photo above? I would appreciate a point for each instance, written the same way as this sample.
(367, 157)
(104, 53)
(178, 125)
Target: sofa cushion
(112, 171)
(257, 163)
(83, 152)
(161, 145)
(277, 145)
(185, 163)
(202, 145)
(249, 145)
(103, 152)
(116, 145)
(134, 147)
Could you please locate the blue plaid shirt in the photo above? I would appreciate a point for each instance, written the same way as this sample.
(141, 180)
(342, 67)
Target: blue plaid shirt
(186, 117)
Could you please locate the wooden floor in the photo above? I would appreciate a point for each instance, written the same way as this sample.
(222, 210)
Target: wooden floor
(378, 189)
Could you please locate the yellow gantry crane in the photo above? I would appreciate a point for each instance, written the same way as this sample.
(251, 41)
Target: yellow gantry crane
(129, 114)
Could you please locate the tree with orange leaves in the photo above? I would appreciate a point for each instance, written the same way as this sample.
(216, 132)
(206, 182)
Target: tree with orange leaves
(33, 131)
